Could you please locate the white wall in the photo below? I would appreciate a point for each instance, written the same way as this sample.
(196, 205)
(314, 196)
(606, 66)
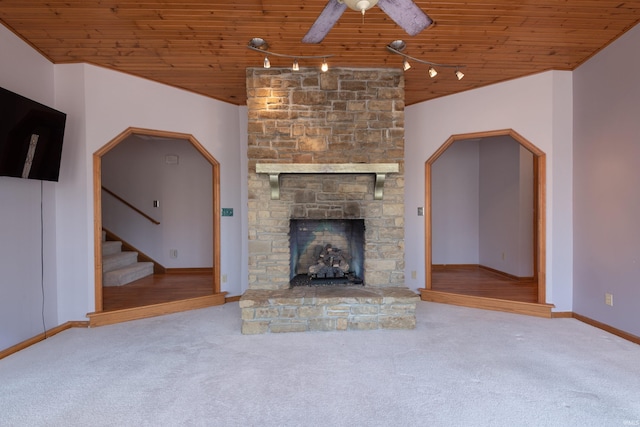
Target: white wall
(115, 101)
(241, 228)
(506, 227)
(607, 201)
(526, 215)
(455, 204)
(74, 201)
(25, 277)
(137, 171)
(482, 205)
(100, 104)
(526, 105)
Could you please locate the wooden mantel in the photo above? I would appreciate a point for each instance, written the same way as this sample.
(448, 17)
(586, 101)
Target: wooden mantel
(275, 169)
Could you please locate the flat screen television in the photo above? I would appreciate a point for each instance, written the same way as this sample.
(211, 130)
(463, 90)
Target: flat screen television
(31, 136)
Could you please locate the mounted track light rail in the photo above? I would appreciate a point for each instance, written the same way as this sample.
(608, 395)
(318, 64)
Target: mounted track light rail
(397, 46)
(260, 45)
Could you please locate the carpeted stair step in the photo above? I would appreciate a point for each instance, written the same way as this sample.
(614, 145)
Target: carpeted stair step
(111, 247)
(118, 260)
(128, 274)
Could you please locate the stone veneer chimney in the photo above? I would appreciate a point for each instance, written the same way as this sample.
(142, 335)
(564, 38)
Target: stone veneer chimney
(343, 116)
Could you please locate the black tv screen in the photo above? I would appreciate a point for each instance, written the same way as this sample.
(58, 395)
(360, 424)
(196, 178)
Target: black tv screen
(31, 136)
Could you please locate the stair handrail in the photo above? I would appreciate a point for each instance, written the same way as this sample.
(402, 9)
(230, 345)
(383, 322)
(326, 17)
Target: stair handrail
(130, 205)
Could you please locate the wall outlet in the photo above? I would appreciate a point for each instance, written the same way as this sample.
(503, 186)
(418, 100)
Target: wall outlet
(227, 211)
(503, 256)
(224, 278)
(173, 253)
(414, 275)
(608, 299)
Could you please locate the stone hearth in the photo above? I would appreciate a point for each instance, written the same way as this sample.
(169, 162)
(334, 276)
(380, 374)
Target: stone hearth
(328, 308)
(342, 117)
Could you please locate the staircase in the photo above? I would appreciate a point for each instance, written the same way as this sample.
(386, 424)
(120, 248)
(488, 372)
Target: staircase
(121, 267)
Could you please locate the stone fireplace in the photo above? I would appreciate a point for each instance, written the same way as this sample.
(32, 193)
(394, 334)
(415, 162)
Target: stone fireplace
(326, 150)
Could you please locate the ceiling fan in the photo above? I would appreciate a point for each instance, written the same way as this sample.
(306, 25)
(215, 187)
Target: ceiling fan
(405, 13)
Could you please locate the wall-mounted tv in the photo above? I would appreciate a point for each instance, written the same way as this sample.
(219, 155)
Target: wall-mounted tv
(31, 137)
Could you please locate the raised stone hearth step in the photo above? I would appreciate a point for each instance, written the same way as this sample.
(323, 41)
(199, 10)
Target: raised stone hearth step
(326, 308)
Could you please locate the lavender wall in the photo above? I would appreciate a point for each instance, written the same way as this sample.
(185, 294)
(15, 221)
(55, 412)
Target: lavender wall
(538, 108)
(506, 217)
(100, 104)
(606, 177)
(114, 102)
(28, 293)
(455, 204)
(482, 205)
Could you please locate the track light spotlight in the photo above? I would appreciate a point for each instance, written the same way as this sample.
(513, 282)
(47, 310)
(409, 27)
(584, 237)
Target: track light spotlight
(397, 46)
(260, 45)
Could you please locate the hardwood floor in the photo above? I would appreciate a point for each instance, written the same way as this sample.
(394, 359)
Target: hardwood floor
(161, 288)
(157, 289)
(475, 281)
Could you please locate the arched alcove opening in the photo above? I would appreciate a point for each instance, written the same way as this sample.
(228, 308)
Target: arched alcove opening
(435, 257)
(178, 302)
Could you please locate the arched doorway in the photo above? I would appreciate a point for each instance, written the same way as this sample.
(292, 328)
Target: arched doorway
(537, 307)
(216, 297)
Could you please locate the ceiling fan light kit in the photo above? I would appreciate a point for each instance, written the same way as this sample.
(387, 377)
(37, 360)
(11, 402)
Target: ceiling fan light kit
(405, 13)
(359, 5)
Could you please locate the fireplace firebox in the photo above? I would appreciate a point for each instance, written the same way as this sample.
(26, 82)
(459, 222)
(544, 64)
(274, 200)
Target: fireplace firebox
(327, 252)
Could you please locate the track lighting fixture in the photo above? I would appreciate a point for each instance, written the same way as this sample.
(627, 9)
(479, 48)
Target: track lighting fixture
(260, 45)
(397, 46)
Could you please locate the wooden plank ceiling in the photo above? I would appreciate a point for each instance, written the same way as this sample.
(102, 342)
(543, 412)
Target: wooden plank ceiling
(200, 45)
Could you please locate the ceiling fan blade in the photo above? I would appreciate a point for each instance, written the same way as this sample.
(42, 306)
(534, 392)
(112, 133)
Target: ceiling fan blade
(327, 19)
(406, 14)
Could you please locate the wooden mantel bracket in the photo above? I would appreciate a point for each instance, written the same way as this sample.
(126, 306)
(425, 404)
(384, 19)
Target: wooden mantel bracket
(275, 169)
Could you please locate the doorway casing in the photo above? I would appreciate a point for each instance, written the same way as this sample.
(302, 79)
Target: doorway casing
(99, 317)
(541, 308)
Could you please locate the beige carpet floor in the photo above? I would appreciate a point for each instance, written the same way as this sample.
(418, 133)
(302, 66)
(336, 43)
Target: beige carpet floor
(459, 367)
